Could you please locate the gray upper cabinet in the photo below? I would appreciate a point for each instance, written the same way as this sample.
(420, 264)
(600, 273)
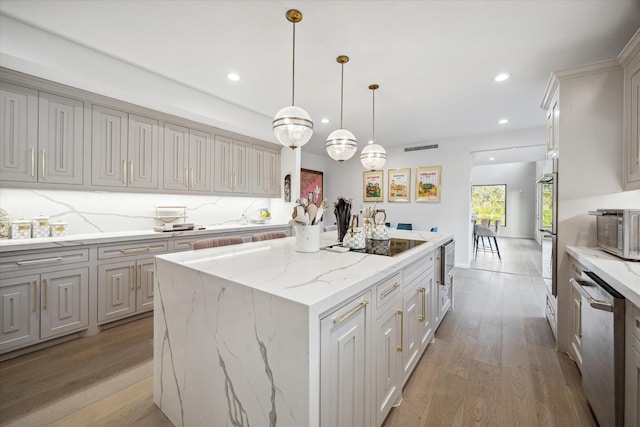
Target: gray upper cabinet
(18, 133)
(60, 139)
(56, 136)
(124, 149)
(231, 166)
(265, 171)
(631, 147)
(42, 137)
(187, 159)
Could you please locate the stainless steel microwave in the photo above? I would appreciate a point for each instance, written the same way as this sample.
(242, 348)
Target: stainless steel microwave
(618, 231)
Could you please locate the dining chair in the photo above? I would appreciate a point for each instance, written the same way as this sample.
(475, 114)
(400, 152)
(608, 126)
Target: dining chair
(485, 222)
(214, 242)
(269, 235)
(481, 232)
(404, 226)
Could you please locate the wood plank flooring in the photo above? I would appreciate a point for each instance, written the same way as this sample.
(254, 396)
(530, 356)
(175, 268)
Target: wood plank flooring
(492, 363)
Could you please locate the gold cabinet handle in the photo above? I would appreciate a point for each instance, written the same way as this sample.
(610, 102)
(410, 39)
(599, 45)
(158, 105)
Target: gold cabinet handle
(388, 291)
(580, 325)
(44, 164)
(401, 313)
(33, 163)
(185, 176)
(123, 172)
(423, 291)
(130, 171)
(35, 296)
(135, 250)
(39, 261)
(133, 276)
(357, 308)
(191, 180)
(46, 294)
(139, 276)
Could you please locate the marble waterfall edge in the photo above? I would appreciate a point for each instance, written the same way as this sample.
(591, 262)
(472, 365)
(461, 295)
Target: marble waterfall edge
(201, 318)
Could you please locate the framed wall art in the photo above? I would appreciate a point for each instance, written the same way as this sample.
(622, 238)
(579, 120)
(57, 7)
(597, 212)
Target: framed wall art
(428, 183)
(372, 186)
(311, 185)
(400, 185)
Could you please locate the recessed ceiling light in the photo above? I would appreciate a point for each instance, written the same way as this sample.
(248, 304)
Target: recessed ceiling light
(492, 158)
(503, 121)
(325, 120)
(233, 77)
(501, 77)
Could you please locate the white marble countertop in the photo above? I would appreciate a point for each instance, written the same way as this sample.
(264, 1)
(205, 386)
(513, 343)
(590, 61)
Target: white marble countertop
(121, 236)
(318, 280)
(623, 276)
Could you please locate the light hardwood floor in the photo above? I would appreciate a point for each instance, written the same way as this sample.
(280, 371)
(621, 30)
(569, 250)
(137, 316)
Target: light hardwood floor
(492, 363)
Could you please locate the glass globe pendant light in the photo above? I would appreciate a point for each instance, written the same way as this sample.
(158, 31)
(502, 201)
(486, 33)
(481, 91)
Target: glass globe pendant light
(373, 156)
(292, 126)
(341, 145)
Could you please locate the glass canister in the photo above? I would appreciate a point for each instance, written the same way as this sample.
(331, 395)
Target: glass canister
(59, 229)
(40, 226)
(21, 228)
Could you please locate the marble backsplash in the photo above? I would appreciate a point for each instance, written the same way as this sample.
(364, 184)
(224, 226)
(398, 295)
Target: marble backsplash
(100, 211)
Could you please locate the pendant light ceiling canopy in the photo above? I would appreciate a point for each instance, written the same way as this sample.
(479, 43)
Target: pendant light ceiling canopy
(292, 126)
(341, 145)
(373, 156)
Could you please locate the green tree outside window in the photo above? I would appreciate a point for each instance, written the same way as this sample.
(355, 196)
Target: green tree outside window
(490, 201)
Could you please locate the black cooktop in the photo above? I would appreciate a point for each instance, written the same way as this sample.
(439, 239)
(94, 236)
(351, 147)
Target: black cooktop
(389, 247)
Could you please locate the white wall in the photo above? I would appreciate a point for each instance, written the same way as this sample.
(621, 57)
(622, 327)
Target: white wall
(521, 194)
(452, 214)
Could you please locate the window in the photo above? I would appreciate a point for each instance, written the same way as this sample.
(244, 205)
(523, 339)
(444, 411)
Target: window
(490, 201)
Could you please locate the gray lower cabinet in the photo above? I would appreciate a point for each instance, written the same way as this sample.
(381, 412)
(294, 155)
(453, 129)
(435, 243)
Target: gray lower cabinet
(125, 288)
(187, 159)
(42, 306)
(231, 171)
(42, 137)
(124, 149)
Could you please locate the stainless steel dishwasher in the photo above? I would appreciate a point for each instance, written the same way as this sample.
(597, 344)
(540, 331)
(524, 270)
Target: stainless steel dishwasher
(602, 348)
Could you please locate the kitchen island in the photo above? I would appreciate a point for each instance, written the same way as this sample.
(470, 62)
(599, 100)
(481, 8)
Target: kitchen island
(259, 334)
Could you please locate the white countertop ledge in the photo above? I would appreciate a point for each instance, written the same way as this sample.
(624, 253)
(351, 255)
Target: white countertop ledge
(122, 236)
(623, 276)
(318, 280)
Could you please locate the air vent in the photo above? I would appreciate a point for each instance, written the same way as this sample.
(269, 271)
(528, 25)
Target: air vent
(422, 147)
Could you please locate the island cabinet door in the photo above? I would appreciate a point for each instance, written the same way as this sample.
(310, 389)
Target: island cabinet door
(345, 365)
(388, 347)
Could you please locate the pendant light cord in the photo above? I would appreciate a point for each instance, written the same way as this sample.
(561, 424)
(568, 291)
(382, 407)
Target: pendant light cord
(341, 93)
(373, 118)
(293, 71)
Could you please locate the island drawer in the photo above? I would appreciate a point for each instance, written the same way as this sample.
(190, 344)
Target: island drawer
(133, 249)
(388, 289)
(410, 273)
(43, 259)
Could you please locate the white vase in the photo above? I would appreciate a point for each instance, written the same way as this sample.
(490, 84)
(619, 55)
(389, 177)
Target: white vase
(307, 238)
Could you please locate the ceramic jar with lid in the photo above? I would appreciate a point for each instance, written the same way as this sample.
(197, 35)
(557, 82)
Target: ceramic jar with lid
(40, 226)
(21, 228)
(59, 229)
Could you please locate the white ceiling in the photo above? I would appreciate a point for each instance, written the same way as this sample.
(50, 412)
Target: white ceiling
(434, 60)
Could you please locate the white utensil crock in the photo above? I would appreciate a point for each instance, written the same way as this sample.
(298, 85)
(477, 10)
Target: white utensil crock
(307, 238)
